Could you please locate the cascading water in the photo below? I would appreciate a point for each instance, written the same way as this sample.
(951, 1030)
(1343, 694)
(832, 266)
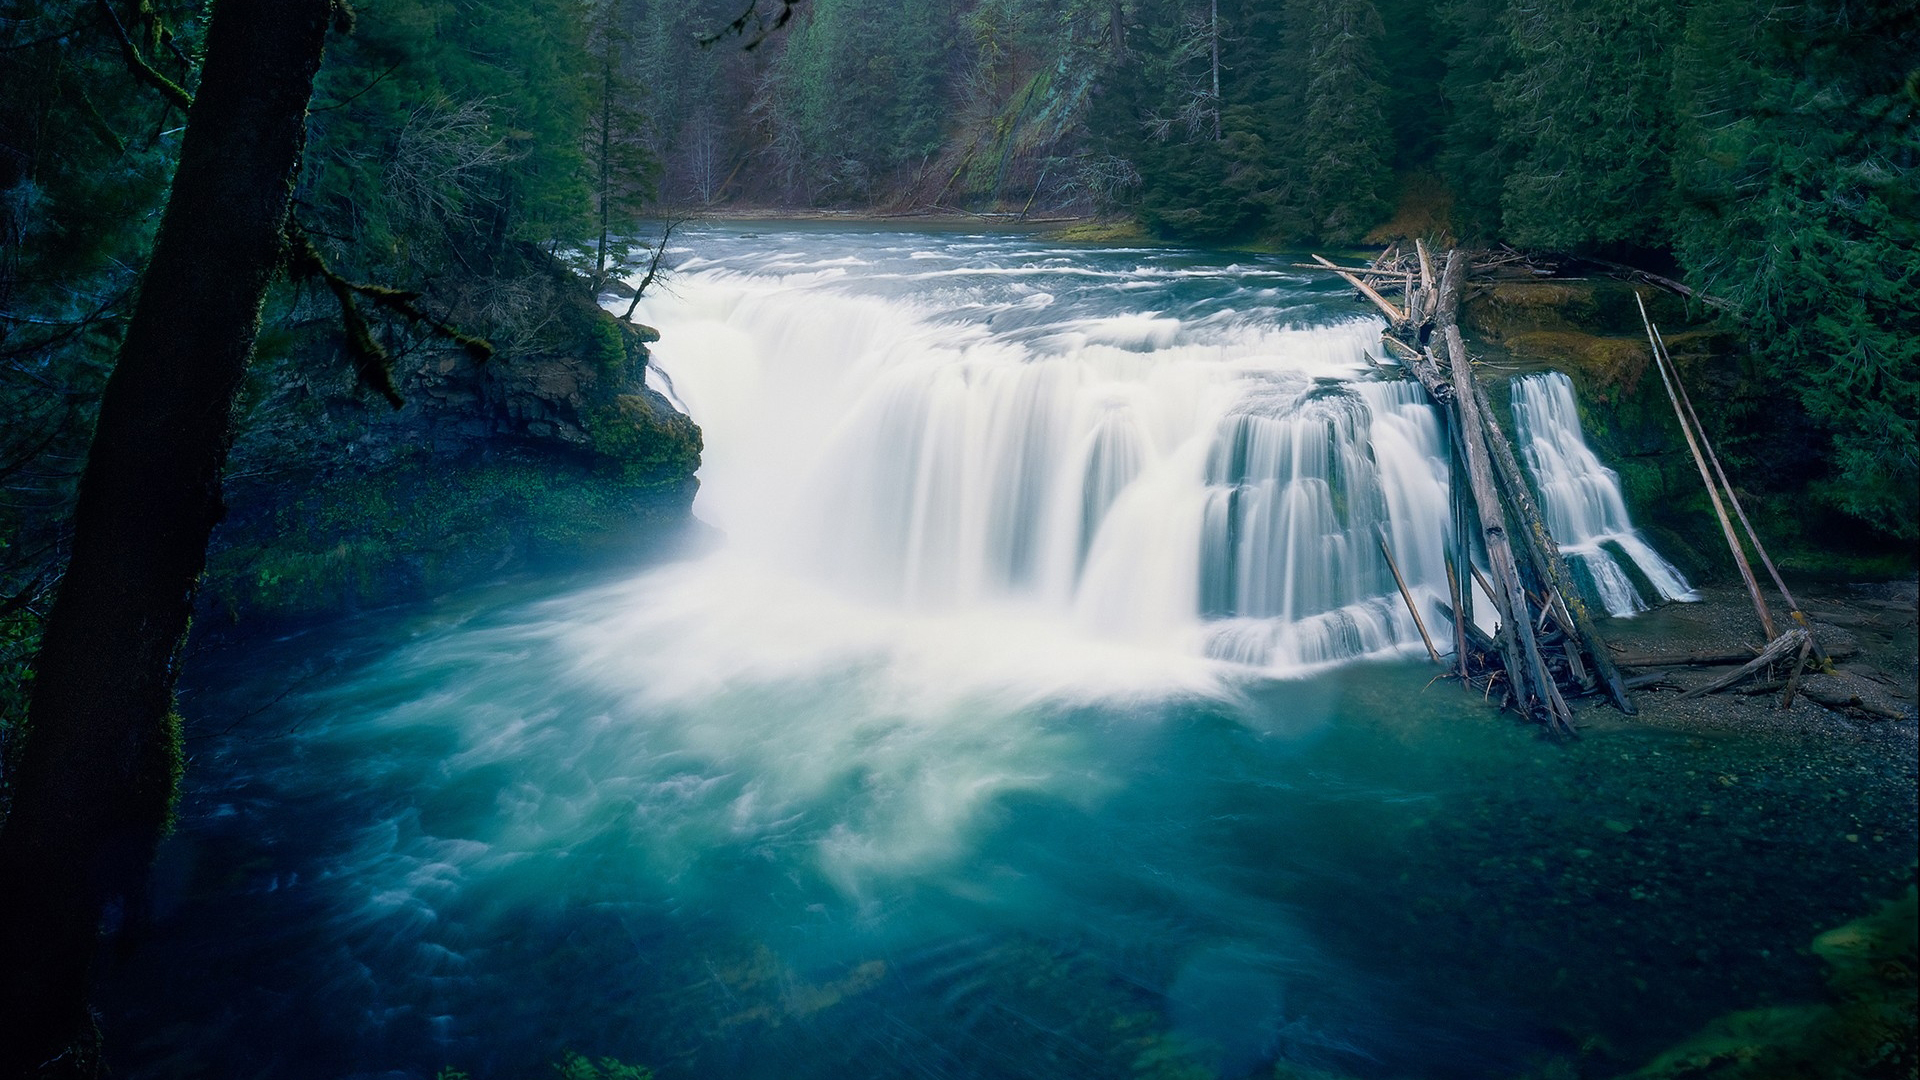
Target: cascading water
(1582, 501)
(942, 438)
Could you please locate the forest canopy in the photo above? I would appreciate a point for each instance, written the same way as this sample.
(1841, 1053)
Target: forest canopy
(1764, 151)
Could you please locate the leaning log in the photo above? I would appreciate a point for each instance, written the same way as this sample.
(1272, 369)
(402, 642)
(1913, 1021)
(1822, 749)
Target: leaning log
(1520, 651)
(1394, 314)
(1551, 567)
(1733, 499)
(1713, 491)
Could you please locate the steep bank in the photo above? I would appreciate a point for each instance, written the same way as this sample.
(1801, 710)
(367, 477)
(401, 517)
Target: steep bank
(553, 449)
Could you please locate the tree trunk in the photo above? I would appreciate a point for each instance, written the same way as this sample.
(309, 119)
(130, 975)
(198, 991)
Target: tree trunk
(1213, 33)
(98, 767)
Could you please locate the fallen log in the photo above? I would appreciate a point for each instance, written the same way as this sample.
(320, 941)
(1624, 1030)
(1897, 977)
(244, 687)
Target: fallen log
(1394, 314)
(1551, 568)
(1851, 701)
(1711, 658)
(1777, 649)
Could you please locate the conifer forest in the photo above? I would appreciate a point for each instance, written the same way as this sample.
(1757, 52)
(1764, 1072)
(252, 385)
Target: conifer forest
(1183, 539)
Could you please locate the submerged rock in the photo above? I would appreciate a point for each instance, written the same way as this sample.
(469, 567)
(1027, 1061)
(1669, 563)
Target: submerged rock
(1868, 1029)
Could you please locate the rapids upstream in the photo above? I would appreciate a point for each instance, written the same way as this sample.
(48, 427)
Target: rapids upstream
(1043, 708)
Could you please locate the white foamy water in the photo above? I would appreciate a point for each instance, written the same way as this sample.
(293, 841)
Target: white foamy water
(1582, 502)
(1019, 442)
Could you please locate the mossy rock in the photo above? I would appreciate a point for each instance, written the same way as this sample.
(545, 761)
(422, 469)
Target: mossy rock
(1866, 1029)
(1102, 232)
(1606, 365)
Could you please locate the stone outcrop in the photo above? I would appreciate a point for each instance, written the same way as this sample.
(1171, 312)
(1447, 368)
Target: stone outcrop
(554, 449)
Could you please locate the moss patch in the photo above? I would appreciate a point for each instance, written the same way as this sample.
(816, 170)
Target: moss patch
(419, 526)
(1867, 1029)
(1102, 232)
(1423, 207)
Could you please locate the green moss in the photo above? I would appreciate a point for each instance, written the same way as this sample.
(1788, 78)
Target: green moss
(643, 444)
(19, 642)
(173, 749)
(423, 525)
(1102, 232)
(578, 1067)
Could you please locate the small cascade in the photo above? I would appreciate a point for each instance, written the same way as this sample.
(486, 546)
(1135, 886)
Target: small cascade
(1299, 489)
(1582, 502)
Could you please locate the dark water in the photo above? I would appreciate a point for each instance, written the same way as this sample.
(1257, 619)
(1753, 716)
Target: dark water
(716, 818)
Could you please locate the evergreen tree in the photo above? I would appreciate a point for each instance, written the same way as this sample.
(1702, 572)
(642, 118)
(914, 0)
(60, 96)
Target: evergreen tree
(1585, 110)
(1795, 166)
(1473, 159)
(1345, 142)
(621, 170)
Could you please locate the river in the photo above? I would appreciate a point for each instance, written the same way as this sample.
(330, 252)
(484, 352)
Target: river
(1038, 704)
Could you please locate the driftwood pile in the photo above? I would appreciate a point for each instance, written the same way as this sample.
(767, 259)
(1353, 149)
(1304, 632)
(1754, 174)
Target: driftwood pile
(1547, 648)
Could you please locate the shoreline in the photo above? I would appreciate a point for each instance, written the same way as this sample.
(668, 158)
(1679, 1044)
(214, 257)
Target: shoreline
(1871, 626)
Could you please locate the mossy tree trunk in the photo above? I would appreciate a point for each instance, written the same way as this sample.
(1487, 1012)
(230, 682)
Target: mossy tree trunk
(96, 775)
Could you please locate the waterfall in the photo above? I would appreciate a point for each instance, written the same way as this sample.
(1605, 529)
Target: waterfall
(1185, 460)
(1582, 502)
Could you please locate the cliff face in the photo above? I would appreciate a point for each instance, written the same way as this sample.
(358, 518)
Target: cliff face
(554, 449)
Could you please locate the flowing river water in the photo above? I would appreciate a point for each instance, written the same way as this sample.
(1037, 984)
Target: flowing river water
(1042, 706)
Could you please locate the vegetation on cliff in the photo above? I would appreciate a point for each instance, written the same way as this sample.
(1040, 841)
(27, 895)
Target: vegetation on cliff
(472, 157)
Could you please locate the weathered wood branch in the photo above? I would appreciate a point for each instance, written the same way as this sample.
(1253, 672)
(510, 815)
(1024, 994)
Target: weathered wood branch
(1412, 608)
(1520, 650)
(1393, 313)
(1777, 649)
(1799, 665)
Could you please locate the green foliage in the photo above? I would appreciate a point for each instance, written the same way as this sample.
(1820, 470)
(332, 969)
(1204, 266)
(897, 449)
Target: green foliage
(19, 642)
(577, 1067)
(1345, 142)
(1585, 110)
(418, 526)
(443, 125)
(860, 91)
(1798, 204)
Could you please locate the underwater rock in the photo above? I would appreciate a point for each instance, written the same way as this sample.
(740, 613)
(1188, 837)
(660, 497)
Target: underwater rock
(1868, 1029)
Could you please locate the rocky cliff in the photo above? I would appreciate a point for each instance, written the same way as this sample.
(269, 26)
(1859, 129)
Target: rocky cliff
(553, 449)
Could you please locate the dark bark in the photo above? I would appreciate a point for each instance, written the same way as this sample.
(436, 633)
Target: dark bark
(98, 768)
